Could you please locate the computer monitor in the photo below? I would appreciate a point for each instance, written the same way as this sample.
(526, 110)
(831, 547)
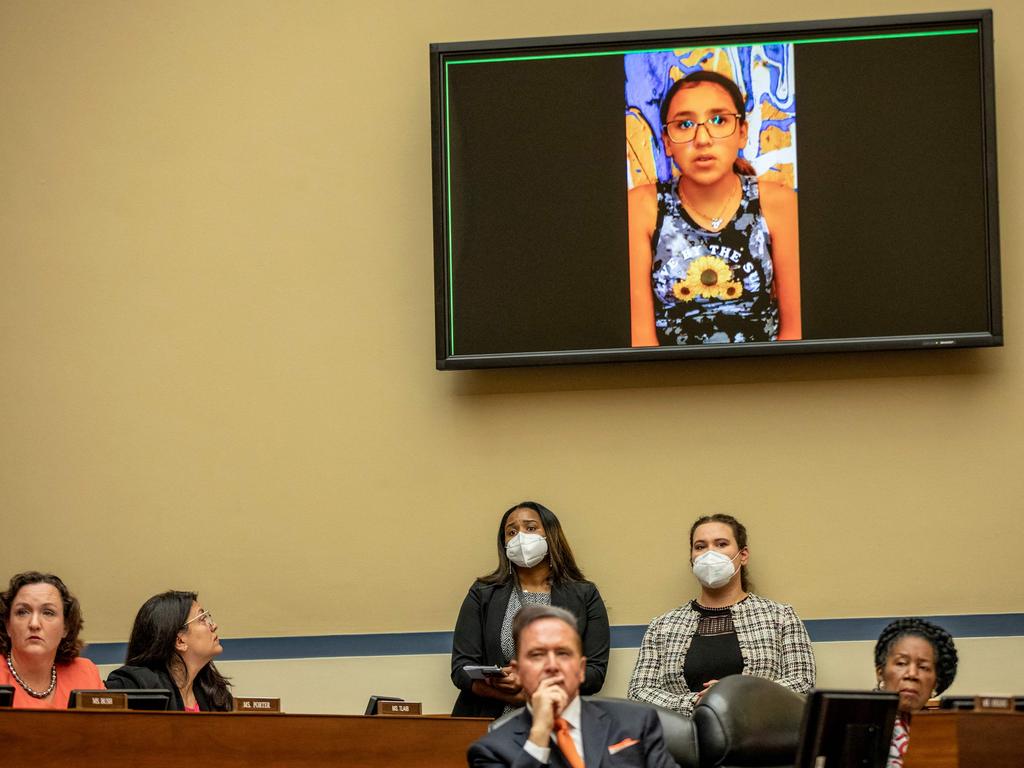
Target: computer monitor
(148, 699)
(371, 705)
(6, 695)
(846, 729)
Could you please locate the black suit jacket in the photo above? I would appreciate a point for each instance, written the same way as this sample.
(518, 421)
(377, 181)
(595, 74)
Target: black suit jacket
(144, 677)
(477, 638)
(631, 730)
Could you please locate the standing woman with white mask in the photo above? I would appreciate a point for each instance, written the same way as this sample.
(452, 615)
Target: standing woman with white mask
(535, 566)
(728, 630)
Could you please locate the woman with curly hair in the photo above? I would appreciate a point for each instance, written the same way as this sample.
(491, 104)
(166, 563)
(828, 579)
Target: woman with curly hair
(917, 660)
(40, 644)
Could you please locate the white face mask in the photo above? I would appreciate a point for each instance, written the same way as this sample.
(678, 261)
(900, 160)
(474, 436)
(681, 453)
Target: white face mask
(526, 549)
(713, 569)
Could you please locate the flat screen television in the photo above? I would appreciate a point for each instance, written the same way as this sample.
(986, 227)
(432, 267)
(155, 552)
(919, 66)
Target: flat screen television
(846, 729)
(729, 191)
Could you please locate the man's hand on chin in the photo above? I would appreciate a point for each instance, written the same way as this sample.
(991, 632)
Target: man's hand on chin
(547, 703)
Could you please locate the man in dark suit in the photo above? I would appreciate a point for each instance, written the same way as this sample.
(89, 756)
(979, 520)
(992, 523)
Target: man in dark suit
(557, 727)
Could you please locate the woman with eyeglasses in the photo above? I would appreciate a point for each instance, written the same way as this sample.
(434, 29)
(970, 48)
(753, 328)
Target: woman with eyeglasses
(40, 643)
(713, 254)
(172, 646)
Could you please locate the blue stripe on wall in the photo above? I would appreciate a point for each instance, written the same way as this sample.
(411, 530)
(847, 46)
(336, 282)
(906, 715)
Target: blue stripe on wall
(623, 636)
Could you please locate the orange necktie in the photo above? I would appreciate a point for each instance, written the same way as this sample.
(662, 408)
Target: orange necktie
(566, 744)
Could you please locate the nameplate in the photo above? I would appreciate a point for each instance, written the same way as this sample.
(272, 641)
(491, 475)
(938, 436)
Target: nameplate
(994, 703)
(106, 700)
(399, 708)
(249, 704)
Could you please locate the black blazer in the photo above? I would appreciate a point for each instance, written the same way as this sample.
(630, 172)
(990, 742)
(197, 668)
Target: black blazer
(144, 677)
(477, 638)
(615, 733)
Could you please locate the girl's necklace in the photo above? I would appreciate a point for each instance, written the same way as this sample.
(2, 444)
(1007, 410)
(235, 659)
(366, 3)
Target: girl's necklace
(716, 221)
(28, 689)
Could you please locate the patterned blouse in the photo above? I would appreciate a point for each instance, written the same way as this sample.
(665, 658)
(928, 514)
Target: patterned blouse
(900, 742)
(773, 643)
(508, 646)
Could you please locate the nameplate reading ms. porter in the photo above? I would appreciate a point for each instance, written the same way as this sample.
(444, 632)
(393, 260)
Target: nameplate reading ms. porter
(257, 705)
(399, 708)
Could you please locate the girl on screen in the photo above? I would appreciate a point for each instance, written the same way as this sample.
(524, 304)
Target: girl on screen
(713, 255)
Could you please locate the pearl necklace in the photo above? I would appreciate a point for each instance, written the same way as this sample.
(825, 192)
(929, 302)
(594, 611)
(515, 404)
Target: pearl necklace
(28, 689)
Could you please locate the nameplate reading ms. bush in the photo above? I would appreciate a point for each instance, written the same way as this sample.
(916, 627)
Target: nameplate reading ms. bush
(106, 701)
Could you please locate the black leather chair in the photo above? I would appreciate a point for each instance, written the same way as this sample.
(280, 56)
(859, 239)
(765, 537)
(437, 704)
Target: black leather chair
(679, 730)
(748, 722)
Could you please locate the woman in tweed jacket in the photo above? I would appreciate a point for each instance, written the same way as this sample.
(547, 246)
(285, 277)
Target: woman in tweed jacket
(727, 630)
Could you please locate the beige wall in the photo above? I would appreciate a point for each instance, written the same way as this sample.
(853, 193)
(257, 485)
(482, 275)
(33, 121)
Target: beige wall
(216, 328)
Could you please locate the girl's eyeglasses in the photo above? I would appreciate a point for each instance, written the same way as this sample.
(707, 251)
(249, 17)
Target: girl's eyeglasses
(720, 126)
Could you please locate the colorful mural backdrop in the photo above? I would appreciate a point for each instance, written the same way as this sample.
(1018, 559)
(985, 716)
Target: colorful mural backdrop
(764, 74)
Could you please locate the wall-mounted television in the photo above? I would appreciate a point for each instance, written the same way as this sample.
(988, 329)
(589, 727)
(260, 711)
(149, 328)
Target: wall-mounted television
(727, 191)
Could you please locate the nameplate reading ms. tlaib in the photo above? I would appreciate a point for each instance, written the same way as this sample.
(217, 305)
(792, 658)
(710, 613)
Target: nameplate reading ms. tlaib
(105, 700)
(399, 708)
(257, 705)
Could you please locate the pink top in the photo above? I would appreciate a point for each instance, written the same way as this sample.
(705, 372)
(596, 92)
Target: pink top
(79, 674)
(193, 708)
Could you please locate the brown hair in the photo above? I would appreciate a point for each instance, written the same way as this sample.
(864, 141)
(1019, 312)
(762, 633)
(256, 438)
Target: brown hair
(739, 533)
(70, 646)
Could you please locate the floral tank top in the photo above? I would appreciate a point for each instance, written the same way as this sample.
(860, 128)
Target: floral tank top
(712, 287)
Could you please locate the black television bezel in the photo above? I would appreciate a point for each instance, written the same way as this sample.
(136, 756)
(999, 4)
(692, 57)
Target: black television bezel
(722, 35)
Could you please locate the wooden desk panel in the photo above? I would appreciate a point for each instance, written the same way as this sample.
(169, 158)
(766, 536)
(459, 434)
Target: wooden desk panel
(966, 740)
(174, 739)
